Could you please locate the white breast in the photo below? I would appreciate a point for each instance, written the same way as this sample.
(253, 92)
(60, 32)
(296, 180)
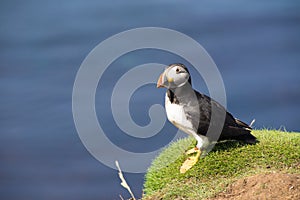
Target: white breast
(176, 116)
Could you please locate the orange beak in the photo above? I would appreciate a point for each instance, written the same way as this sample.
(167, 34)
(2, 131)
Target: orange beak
(160, 81)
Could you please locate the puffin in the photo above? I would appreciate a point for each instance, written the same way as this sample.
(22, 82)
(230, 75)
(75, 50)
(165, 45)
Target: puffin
(191, 112)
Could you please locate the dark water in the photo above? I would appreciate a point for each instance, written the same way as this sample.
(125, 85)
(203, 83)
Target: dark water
(255, 45)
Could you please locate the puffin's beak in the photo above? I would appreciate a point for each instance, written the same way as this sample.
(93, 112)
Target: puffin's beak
(164, 80)
(160, 82)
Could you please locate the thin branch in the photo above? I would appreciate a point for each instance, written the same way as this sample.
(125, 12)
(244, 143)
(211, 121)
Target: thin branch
(123, 181)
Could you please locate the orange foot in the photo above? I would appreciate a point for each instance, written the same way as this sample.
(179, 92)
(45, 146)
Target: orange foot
(190, 161)
(191, 151)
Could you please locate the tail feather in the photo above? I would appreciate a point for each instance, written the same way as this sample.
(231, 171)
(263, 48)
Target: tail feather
(242, 124)
(240, 134)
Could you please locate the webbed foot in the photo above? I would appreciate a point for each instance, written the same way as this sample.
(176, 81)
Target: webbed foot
(191, 151)
(190, 161)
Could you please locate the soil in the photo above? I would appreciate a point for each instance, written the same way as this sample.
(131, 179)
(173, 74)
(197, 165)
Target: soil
(263, 187)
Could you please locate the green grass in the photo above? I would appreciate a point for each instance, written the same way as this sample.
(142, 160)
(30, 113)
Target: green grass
(228, 161)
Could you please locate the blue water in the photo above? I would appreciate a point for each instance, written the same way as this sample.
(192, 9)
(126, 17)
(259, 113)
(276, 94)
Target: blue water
(255, 45)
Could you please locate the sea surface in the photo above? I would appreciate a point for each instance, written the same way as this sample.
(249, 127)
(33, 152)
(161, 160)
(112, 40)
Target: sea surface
(255, 45)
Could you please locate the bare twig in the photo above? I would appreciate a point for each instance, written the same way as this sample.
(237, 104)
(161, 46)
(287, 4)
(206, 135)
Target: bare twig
(123, 181)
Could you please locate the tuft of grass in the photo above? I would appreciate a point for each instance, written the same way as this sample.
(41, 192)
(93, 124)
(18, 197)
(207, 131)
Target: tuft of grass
(277, 151)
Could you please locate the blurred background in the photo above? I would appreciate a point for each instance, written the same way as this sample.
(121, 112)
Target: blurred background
(255, 45)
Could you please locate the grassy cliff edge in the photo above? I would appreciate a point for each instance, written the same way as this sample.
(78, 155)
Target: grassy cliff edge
(229, 161)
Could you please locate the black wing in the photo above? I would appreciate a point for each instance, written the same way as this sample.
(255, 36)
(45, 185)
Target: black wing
(200, 116)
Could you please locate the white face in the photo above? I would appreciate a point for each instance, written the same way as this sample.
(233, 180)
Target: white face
(176, 76)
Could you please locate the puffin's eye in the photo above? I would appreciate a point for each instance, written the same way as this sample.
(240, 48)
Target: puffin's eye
(177, 70)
